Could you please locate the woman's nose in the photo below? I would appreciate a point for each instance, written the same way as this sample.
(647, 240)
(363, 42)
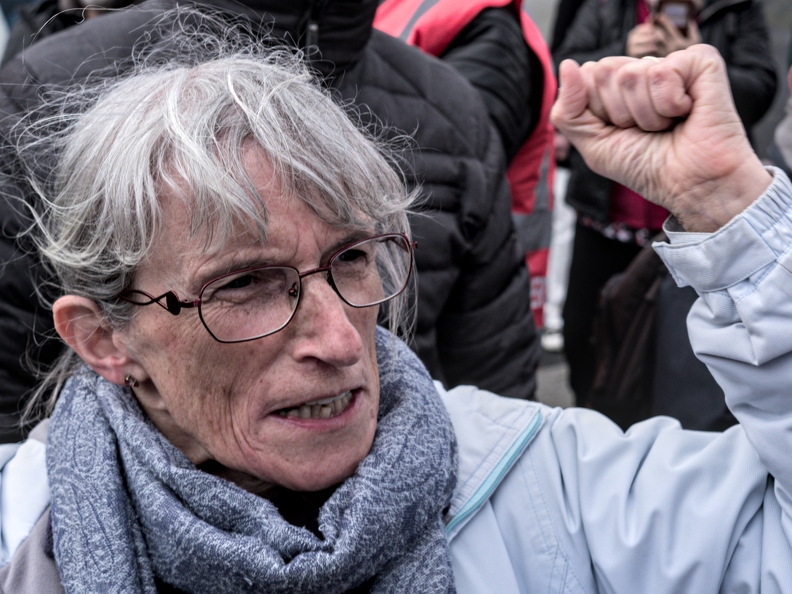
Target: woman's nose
(324, 328)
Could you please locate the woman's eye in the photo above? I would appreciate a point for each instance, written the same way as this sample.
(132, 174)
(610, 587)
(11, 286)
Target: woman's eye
(237, 283)
(352, 255)
(255, 284)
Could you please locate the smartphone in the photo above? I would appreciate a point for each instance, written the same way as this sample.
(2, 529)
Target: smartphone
(679, 12)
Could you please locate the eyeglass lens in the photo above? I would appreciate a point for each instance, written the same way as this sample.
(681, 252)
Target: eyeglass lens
(256, 302)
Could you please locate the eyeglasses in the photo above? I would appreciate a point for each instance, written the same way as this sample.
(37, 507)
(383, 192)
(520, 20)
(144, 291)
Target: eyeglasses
(256, 302)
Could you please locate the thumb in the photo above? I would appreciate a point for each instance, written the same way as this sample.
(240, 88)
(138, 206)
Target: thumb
(572, 95)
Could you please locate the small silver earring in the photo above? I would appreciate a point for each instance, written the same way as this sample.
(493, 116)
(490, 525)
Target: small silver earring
(131, 381)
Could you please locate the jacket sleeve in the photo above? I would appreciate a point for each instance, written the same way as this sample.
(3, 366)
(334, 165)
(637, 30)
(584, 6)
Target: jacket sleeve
(492, 55)
(486, 335)
(26, 329)
(584, 38)
(564, 15)
(749, 62)
(740, 326)
(24, 488)
(659, 509)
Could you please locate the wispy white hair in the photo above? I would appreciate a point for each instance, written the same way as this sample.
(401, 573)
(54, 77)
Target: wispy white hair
(181, 131)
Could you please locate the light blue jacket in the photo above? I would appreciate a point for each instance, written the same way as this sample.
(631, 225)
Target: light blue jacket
(556, 500)
(562, 501)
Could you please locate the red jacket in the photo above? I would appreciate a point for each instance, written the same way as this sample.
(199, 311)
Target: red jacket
(432, 25)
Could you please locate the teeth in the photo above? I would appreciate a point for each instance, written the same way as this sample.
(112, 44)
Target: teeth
(327, 400)
(345, 397)
(323, 408)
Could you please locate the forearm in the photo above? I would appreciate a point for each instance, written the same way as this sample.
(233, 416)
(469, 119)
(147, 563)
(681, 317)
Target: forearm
(741, 325)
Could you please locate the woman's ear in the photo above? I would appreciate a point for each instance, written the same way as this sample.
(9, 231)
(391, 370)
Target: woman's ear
(80, 323)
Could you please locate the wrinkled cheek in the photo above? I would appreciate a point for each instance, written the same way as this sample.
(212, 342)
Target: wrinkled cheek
(201, 394)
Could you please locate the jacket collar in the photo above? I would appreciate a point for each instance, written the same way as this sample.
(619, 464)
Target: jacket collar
(492, 433)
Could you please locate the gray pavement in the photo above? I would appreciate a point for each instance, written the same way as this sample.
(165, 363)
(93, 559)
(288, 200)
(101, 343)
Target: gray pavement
(553, 382)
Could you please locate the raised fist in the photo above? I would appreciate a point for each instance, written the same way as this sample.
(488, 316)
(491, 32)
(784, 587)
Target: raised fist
(666, 128)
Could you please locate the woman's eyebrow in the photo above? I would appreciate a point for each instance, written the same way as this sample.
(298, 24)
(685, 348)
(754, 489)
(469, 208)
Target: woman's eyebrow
(351, 237)
(235, 262)
(226, 266)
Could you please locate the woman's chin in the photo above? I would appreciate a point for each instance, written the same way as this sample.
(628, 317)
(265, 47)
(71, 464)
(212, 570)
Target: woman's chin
(320, 476)
(311, 454)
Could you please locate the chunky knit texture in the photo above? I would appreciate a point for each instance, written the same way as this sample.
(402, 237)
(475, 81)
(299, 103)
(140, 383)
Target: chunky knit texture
(128, 506)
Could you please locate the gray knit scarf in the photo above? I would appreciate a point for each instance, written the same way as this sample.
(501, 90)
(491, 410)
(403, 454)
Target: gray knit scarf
(128, 506)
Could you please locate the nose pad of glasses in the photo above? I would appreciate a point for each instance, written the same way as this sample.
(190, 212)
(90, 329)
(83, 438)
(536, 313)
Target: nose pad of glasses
(294, 290)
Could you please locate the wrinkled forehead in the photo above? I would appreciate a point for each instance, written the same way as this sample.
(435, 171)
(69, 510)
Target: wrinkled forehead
(243, 209)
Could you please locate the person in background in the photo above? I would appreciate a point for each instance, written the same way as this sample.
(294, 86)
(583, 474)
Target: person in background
(563, 234)
(615, 223)
(562, 237)
(496, 47)
(564, 17)
(473, 324)
(780, 150)
(37, 20)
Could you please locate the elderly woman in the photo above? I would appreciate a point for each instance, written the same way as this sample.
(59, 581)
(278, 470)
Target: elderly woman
(225, 241)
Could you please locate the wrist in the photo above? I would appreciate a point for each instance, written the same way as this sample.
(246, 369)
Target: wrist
(711, 205)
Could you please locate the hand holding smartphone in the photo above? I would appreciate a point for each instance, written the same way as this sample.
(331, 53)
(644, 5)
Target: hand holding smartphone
(678, 12)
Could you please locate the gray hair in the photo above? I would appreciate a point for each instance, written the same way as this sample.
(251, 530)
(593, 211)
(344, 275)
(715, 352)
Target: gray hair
(181, 131)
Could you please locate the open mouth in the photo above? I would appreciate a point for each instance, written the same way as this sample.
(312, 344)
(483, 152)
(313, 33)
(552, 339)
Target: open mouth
(325, 408)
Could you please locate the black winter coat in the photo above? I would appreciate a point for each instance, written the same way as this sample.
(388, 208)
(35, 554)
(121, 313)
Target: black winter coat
(474, 321)
(736, 28)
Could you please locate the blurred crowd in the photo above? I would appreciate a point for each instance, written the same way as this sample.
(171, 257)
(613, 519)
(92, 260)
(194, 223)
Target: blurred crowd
(522, 246)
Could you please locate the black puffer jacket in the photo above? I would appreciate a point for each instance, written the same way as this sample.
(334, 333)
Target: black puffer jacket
(736, 28)
(474, 320)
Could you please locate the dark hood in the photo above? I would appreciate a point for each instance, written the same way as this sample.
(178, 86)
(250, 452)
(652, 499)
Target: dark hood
(340, 29)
